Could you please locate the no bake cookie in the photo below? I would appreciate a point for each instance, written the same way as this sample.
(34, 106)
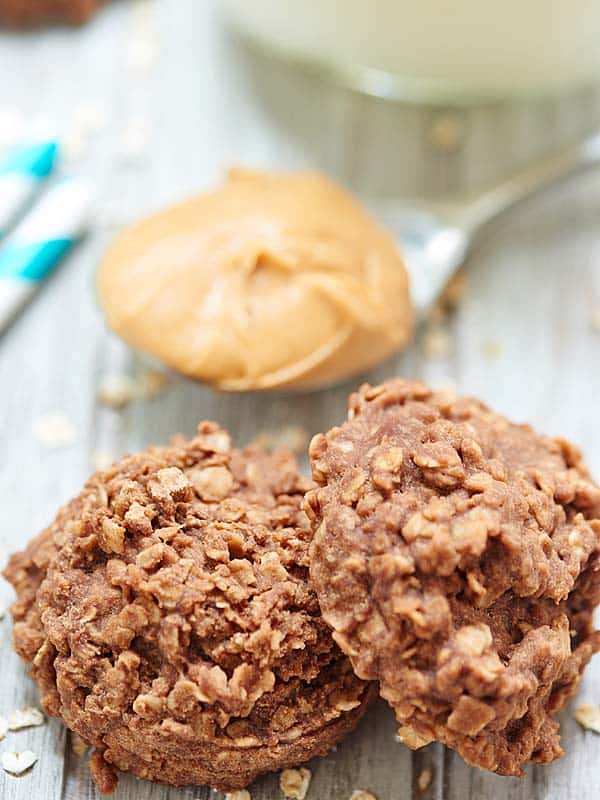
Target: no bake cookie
(456, 558)
(29, 13)
(168, 619)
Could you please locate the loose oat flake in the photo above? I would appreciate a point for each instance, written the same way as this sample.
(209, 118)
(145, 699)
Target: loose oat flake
(588, 717)
(27, 717)
(446, 133)
(117, 391)
(361, 794)
(424, 780)
(294, 782)
(55, 430)
(242, 794)
(18, 763)
(491, 349)
(437, 342)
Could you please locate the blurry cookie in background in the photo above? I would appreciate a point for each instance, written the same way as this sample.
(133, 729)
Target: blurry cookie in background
(456, 557)
(271, 280)
(168, 619)
(30, 13)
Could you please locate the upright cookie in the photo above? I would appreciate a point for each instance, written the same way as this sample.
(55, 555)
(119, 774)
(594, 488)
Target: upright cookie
(169, 621)
(29, 13)
(456, 557)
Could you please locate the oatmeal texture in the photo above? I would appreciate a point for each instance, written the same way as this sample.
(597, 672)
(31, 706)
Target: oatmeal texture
(456, 557)
(28, 13)
(168, 619)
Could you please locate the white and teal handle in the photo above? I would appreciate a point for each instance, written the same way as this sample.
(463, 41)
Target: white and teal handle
(22, 170)
(39, 241)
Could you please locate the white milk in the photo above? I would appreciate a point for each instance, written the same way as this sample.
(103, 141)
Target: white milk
(445, 47)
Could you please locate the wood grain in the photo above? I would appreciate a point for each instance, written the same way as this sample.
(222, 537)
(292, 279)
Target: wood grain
(522, 335)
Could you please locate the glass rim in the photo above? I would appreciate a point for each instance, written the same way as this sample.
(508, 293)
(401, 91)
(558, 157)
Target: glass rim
(392, 87)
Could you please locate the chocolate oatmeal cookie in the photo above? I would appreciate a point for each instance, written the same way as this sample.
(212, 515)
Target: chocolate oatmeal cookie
(168, 619)
(457, 558)
(29, 13)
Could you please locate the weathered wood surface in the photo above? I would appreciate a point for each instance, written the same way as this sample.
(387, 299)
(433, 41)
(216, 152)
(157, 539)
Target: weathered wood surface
(522, 335)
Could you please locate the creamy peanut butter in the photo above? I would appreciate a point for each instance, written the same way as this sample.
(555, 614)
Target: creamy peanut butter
(272, 280)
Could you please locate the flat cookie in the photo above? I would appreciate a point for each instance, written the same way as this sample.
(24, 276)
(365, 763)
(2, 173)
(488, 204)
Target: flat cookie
(457, 559)
(169, 622)
(29, 13)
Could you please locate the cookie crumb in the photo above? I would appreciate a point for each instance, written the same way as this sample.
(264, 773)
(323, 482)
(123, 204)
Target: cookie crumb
(151, 383)
(3, 727)
(54, 430)
(362, 794)
(424, 779)
(18, 763)
(78, 745)
(27, 717)
(446, 133)
(294, 782)
(291, 437)
(437, 342)
(117, 391)
(588, 717)
(242, 794)
(491, 349)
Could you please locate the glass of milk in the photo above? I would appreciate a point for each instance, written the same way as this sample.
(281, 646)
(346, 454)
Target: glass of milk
(441, 51)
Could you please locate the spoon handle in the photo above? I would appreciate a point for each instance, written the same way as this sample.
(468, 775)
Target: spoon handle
(546, 172)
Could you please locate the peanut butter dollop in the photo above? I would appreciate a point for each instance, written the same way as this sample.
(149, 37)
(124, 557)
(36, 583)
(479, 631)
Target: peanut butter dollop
(272, 280)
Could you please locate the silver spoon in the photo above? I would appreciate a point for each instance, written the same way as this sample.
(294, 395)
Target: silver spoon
(435, 243)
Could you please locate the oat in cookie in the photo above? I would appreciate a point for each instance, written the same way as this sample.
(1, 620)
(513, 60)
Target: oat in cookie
(456, 557)
(29, 13)
(169, 621)
(78, 746)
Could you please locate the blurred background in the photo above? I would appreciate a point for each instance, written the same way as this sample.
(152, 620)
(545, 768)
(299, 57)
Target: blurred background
(152, 100)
